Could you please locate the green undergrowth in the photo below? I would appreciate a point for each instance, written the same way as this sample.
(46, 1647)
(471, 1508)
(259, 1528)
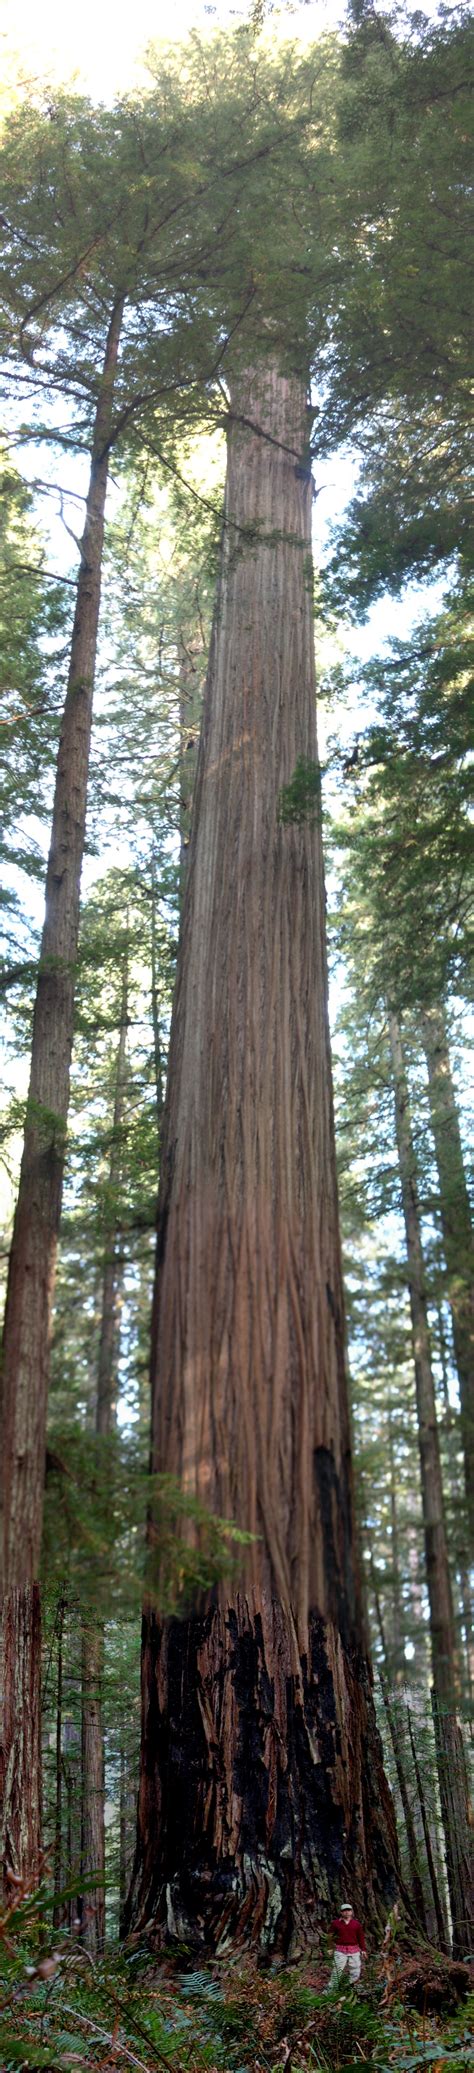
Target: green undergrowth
(59, 2009)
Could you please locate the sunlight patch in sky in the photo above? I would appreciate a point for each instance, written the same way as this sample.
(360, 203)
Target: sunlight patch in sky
(102, 46)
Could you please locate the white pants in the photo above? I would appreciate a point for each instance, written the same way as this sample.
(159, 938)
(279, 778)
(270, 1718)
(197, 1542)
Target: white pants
(351, 1959)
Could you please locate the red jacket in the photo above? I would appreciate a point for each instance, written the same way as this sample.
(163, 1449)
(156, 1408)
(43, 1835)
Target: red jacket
(349, 1933)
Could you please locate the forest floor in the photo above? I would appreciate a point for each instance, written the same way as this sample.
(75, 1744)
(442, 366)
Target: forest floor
(60, 2009)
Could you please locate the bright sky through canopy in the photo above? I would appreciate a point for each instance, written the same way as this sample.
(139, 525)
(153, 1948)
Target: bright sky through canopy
(104, 44)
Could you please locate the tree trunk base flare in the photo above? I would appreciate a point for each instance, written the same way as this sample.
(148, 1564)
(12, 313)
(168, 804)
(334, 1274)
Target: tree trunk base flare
(21, 1810)
(262, 1798)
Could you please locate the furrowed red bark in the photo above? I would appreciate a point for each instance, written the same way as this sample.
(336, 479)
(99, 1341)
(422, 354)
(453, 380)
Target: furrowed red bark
(452, 1769)
(22, 1736)
(93, 1766)
(26, 1336)
(261, 1789)
(93, 1836)
(456, 1228)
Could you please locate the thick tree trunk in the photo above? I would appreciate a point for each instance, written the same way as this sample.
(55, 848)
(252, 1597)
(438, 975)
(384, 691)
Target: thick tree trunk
(456, 1228)
(33, 1253)
(261, 1789)
(93, 1766)
(453, 1783)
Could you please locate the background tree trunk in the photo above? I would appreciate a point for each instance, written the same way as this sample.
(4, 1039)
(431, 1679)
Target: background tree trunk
(398, 1756)
(58, 1821)
(441, 1923)
(93, 1833)
(26, 1336)
(452, 1772)
(155, 1003)
(190, 709)
(261, 1788)
(93, 1764)
(456, 1228)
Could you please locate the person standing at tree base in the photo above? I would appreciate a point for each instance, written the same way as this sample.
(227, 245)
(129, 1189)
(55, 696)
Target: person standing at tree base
(350, 1946)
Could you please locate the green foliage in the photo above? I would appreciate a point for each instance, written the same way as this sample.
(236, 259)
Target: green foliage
(403, 841)
(59, 2008)
(401, 326)
(98, 1496)
(300, 800)
(33, 623)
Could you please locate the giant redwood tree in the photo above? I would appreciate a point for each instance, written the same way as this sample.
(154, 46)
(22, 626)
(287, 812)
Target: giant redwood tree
(93, 248)
(262, 1795)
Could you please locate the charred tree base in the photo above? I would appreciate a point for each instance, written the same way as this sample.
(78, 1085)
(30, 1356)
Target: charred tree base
(21, 1766)
(262, 1798)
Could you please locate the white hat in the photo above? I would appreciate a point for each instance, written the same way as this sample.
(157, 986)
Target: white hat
(346, 1907)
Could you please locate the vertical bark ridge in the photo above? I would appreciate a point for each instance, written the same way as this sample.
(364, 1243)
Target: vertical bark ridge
(254, 1801)
(21, 1836)
(264, 967)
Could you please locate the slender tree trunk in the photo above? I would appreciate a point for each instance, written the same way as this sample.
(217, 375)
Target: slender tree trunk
(453, 1783)
(26, 1335)
(397, 1640)
(71, 1904)
(261, 1787)
(443, 1355)
(93, 1768)
(123, 1855)
(190, 709)
(397, 1746)
(155, 1003)
(456, 1228)
(468, 1630)
(58, 1822)
(93, 1837)
(441, 1922)
(106, 1408)
(459, 1556)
